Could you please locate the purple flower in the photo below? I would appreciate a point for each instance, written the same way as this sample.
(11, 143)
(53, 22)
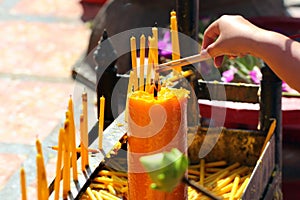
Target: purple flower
(228, 75)
(255, 75)
(165, 45)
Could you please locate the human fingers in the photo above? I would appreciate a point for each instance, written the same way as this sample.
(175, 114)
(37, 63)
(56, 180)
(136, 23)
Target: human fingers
(210, 34)
(218, 61)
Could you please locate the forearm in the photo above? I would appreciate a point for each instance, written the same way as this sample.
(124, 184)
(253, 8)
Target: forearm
(282, 55)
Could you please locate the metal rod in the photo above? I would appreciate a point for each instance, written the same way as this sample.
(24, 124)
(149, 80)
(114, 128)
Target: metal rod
(200, 189)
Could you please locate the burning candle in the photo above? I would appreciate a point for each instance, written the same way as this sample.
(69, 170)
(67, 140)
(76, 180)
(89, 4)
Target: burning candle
(155, 125)
(23, 183)
(58, 163)
(101, 122)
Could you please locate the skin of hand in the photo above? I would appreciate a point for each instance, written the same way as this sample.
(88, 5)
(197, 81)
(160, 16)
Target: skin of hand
(233, 35)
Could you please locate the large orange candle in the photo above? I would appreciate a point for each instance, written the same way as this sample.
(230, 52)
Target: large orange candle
(155, 125)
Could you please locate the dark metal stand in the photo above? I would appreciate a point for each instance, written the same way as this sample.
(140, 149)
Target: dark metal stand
(270, 108)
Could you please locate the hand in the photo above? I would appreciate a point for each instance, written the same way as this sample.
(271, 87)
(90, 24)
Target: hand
(230, 35)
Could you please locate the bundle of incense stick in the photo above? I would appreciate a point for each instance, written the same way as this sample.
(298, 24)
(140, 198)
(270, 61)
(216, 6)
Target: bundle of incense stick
(225, 180)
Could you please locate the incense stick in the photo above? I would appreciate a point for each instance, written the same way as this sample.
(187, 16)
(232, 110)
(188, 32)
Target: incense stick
(183, 61)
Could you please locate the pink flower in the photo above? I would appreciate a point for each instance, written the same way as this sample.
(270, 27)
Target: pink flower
(165, 45)
(228, 75)
(255, 75)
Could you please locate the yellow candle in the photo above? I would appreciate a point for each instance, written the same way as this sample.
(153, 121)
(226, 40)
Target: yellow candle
(38, 146)
(82, 143)
(58, 163)
(155, 52)
(42, 188)
(41, 172)
(234, 187)
(39, 177)
(85, 125)
(73, 139)
(240, 191)
(269, 135)
(23, 184)
(90, 194)
(129, 90)
(67, 165)
(101, 122)
(202, 171)
(150, 64)
(142, 61)
(133, 62)
(78, 149)
(155, 44)
(174, 39)
(133, 52)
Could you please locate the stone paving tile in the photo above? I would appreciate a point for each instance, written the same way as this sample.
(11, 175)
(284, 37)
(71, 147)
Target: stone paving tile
(57, 8)
(41, 49)
(32, 108)
(8, 164)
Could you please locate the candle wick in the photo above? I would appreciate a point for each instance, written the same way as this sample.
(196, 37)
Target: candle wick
(155, 92)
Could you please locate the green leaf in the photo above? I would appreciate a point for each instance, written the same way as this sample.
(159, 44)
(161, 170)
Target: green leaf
(165, 169)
